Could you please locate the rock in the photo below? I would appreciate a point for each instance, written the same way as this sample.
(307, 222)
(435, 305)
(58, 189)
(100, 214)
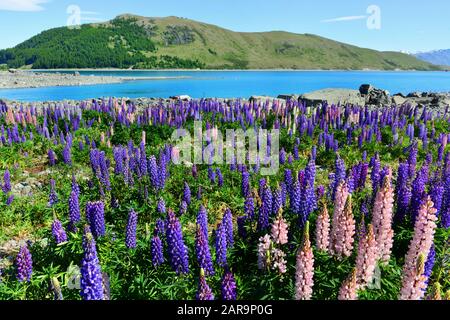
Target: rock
(414, 95)
(399, 95)
(260, 98)
(365, 89)
(398, 100)
(288, 97)
(332, 96)
(374, 96)
(181, 97)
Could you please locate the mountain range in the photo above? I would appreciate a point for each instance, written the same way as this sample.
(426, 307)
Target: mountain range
(131, 41)
(437, 57)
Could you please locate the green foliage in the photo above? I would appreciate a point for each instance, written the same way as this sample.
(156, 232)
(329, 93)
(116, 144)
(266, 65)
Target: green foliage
(118, 45)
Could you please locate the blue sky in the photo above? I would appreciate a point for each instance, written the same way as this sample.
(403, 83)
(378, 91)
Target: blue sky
(405, 25)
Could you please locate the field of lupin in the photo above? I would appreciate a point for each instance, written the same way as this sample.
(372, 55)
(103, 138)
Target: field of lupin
(93, 206)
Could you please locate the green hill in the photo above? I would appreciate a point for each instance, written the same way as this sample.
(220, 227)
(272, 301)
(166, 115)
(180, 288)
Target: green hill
(130, 41)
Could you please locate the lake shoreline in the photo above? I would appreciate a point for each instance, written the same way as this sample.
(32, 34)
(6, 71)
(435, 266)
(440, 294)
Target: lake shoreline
(229, 70)
(21, 79)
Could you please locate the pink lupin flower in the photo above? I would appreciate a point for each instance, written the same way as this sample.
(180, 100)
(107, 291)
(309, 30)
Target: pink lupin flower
(421, 243)
(264, 246)
(339, 205)
(278, 260)
(304, 269)
(348, 290)
(367, 258)
(280, 229)
(343, 231)
(414, 289)
(382, 219)
(323, 229)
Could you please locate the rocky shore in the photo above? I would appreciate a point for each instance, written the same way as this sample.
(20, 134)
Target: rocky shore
(14, 79)
(371, 96)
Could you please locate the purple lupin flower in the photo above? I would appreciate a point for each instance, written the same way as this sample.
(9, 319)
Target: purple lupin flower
(228, 286)
(58, 232)
(153, 172)
(289, 181)
(436, 194)
(203, 252)
(130, 237)
(249, 207)
(295, 198)
(6, 187)
(175, 244)
(221, 245)
(402, 191)
(219, 177)
(375, 175)
(53, 197)
(91, 274)
(412, 159)
(67, 158)
(160, 227)
(266, 208)
(186, 193)
(277, 200)
(75, 186)
(308, 204)
(429, 264)
(211, 174)
(227, 221)
(51, 157)
(10, 200)
(161, 207)
(202, 220)
(339, 175)
(24, 264)
(204, 291)
(445, 218)
(245, 184)
(418, 191)
(156, 249)
(95, 214)
(74, 211)
(183, 208)
(194, 171)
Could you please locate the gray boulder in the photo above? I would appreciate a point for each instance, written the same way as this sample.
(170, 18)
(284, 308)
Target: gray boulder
(398, 100)
(287, 97)
(365, 89)
(414, 95)
(332, 96)
(260, 98)
(374, 96)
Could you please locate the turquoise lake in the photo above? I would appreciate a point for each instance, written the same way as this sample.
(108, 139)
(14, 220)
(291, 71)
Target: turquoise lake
(234, 84)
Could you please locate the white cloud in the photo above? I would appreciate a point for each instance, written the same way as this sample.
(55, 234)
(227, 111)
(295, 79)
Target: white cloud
(348, 18)
(22, 5)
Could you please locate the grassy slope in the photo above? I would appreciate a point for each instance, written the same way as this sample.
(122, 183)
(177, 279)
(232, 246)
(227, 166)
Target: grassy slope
(212, 46)
(259, 50)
